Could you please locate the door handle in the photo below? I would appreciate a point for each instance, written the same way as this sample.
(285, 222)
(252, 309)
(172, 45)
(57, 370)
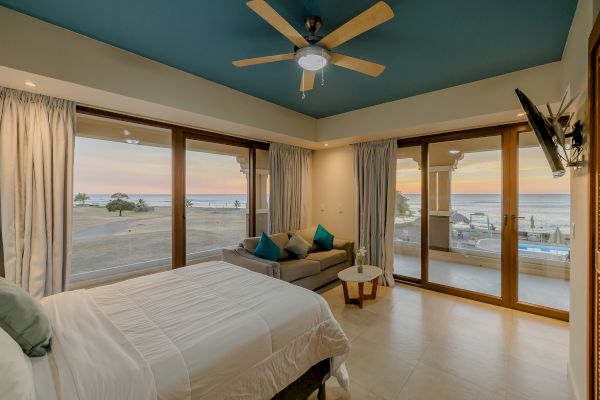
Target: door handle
(513, 217)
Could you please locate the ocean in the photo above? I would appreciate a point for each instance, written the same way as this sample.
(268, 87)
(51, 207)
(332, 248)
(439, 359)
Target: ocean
(549, 211)
(162, 200)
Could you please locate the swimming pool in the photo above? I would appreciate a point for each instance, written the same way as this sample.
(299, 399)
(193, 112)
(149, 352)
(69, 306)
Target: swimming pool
(559, 250)
(541, 248)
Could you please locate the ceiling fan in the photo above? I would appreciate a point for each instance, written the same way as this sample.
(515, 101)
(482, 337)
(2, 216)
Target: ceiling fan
(312, 52)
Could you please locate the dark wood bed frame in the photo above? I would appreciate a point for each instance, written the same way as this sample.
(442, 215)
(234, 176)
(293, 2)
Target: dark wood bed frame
(304, 386)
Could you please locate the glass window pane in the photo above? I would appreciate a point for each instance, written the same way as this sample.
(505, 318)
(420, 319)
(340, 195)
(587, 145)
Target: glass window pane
(465, 214)
(122, 198)
(544, 229)
(262, 191)
(216, 197)
(407, 228)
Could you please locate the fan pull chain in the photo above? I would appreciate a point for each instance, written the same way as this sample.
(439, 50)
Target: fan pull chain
(303, 95)
(323, 68)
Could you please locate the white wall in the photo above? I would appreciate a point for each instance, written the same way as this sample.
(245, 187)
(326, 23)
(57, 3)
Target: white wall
(334, 192)
(575, 79)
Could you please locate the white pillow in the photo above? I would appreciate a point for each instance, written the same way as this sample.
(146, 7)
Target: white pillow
(16, 377)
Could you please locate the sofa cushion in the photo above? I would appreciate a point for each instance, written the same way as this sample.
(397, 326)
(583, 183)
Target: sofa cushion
(280, 240)
(298, 246)
(296, 269)
(328, 258)
(267, 248)
(308, 234)
(323, 238)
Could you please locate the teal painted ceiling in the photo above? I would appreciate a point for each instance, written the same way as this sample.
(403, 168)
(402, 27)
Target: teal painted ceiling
(428, 45)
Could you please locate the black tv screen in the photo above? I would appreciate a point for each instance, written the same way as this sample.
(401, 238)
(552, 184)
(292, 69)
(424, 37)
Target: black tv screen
(544, 132)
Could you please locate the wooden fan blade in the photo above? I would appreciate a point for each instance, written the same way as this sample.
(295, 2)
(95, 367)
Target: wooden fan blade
(266, 12)
(364, 21)
(357, 64)
(263, 60)
(307, 81)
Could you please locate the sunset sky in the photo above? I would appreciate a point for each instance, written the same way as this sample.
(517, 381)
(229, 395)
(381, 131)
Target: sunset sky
(480, 173)
(104, 167)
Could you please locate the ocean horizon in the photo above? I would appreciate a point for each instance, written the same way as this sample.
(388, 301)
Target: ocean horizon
(165, 200)
(549, 211)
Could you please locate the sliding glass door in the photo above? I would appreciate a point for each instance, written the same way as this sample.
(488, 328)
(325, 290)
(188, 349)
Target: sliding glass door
(216, 202)
(152, 196)
(465, 214)
(544, 232)
(407, 220)
(479, 215)
(122, 199)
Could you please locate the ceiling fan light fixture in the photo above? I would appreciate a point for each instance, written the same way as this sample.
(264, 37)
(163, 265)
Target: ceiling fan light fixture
(312, 58)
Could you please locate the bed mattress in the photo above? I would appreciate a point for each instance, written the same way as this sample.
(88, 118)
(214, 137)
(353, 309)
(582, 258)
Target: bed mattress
(208, 331)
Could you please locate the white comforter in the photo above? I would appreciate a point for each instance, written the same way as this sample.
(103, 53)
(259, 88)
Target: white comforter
(210, 331)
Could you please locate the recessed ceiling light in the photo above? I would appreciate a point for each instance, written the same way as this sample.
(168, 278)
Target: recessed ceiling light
(126, 132)
(521, 114)
(326, 144)
(454, 151)
(30, 84)
(132, 141)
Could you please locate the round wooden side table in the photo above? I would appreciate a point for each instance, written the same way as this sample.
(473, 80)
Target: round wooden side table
(370, 273)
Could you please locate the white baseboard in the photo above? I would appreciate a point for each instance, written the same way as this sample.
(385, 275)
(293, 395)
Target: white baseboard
(574, 387)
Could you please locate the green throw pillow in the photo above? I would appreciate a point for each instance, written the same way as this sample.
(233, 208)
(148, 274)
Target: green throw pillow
(323, 239)
(24, 319)
(267, 248)
(298, 246)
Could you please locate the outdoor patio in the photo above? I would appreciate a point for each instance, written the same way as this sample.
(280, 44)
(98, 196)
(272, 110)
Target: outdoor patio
(536, 289)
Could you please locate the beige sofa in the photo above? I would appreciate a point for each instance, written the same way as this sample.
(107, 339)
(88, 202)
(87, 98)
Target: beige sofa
(317, 269)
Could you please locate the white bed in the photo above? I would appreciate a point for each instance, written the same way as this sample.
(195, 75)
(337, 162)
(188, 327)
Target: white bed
(209, 331)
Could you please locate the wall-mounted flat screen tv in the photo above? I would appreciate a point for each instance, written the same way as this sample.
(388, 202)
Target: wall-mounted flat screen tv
(545, 134)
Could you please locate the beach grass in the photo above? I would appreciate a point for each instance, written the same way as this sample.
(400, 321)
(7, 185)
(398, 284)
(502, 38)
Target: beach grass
(103, 240)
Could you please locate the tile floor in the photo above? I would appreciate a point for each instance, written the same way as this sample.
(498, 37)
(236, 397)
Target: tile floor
(414, 344)
(541, 290)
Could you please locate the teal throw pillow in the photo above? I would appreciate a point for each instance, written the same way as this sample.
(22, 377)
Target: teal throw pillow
(298, 246)
(323, 239)
(24, 319)
(267, 248)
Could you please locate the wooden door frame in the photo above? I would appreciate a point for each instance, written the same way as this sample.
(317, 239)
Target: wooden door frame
(594, 199)
(509, 134)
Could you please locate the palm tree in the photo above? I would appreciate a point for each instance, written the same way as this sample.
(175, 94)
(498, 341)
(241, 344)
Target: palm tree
(119, 196)
(81, 198)
(236, 204)
(188, 203)
(141, 203)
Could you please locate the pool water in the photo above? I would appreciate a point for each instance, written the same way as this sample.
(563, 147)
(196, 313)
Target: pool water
(559, 250)
(494, 245)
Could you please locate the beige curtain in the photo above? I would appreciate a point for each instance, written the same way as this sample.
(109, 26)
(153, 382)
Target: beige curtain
(289, 187)
(36, 175)
(375, 173)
